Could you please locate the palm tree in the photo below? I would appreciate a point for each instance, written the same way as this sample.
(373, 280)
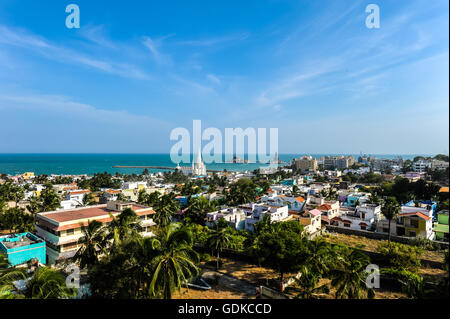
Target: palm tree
(88, 199)
(218, 240)
(318, 256)
(175, 261)
(47, 283)
(198, 208)
(125, 225)
(7, 278)
(165, 208)
(390, 209)
(308, 284)
(50, 199)
(349, 274)
(92, 244)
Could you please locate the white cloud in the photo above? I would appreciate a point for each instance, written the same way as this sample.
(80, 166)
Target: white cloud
(20, 38)
(213, 78)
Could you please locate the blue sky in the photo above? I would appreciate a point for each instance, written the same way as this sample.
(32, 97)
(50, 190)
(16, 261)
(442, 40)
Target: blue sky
(135, 70)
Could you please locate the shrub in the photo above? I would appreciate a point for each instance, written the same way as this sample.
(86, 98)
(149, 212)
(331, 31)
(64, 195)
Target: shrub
(425, 243)
(401, 256)
(412, 284)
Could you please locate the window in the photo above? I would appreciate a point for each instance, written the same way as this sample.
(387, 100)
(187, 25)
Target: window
(414, 223)
(70, 231)
(363, 227)
(346, 225)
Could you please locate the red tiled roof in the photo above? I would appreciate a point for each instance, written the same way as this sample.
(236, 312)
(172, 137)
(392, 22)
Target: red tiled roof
(324, 207)
(418, 214)
(79, 192)
(113, 191)
(300, 199)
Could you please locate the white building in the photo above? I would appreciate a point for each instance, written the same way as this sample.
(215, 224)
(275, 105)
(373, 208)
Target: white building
(311, 221)
(421, 166)
(76, 196)
(328, 211)
(234, 216)
(276, 214)
(411, 222)
(439, 165)
(364, 217)
(293, 203)
(134, 185)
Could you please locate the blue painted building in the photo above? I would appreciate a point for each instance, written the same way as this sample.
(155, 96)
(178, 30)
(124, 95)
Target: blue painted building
(289, 182)
(23, 247)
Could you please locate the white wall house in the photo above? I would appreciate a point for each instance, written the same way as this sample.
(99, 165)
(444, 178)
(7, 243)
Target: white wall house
(293, 203)
(77, 196)
(276, 214)
(364, 217)
(234, 216)
(411, 222)
(421, 166)
(328, 211)
(311, 221)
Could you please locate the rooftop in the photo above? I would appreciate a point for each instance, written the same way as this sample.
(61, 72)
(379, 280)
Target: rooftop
(88, 212)
(19, 240)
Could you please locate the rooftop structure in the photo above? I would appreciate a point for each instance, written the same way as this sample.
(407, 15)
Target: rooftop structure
(62, 229)
(23, 247)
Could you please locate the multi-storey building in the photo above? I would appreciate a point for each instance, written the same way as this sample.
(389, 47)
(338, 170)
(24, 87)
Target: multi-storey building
(339, 162)
(328, 211)
(62, 229)
(234, 216)
(306, 164)
(364, 217)
(411, 222)
(294, 203)
(438, 165)
(421, 166)
(258, 212)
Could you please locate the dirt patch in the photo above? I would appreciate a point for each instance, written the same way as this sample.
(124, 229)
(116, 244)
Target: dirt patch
(216, 292)
(250, 273)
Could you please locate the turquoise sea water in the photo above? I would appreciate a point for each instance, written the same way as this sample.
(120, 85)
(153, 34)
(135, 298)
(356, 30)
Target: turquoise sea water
(92, 163)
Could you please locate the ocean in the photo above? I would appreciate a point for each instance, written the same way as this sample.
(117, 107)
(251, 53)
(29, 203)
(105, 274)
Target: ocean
(14, 164)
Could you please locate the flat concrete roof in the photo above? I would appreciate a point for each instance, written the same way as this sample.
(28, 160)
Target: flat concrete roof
(87, 213)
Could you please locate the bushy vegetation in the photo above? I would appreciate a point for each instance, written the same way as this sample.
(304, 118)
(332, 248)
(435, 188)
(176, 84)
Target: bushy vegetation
(400, 256)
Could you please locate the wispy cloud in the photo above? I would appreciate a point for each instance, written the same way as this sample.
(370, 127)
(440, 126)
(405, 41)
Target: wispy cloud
(23, 39)
(215, 40)
(213, 78)
(96, 34)
(154, 46)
